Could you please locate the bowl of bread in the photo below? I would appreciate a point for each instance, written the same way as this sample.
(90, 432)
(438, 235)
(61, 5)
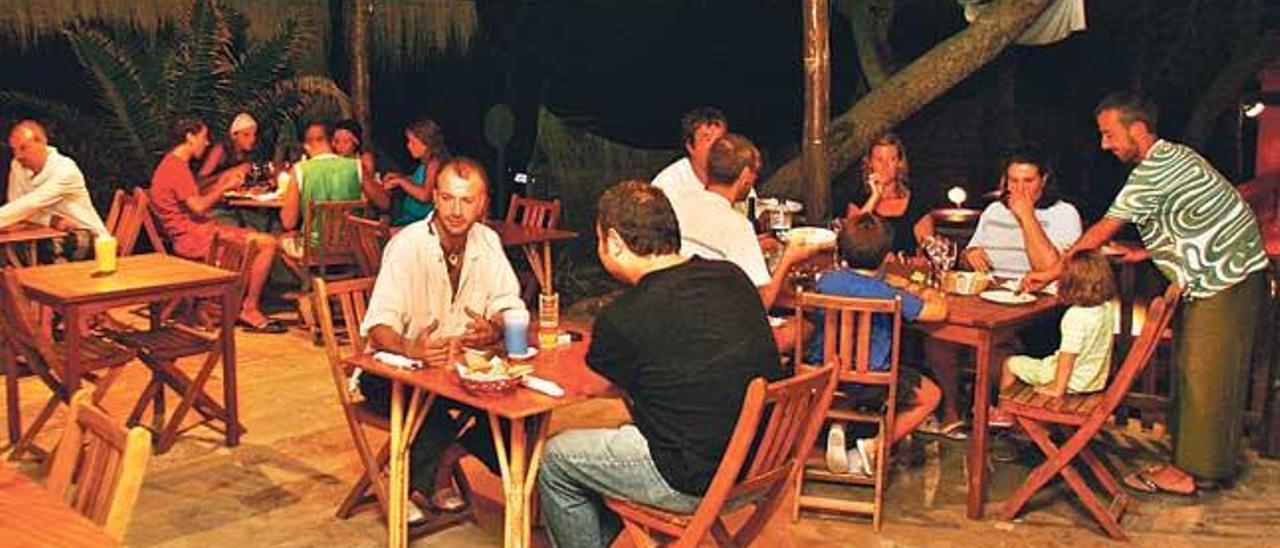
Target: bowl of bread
(486, 373)
(966, 283)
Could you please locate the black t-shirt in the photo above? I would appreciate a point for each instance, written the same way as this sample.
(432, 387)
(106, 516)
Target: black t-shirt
(855, 192)
(684, 343)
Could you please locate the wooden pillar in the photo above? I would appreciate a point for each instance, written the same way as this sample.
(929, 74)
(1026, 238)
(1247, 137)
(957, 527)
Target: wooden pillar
(817, 108)
(359, 13)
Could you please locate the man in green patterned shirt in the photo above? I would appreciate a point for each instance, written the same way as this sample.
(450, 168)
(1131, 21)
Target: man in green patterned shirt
(1203, 237)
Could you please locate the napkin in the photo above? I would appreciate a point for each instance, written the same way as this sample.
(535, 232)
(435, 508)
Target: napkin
(397, 361)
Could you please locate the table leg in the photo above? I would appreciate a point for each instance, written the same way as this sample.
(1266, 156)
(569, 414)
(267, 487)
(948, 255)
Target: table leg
(73, 324)
(398, 482)
(531, 254)
(230, 309)
(978, 437)
(12, 409)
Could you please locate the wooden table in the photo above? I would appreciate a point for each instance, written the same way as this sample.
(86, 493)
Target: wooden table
(25, 235)
(983, 325)
(32, 516)
(74, 290)
(526, 411)
(536, 244)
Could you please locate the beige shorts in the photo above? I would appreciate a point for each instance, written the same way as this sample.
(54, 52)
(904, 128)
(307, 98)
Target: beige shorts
(1034, 371)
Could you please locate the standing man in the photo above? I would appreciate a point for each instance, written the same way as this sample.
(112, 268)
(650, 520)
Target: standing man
(186, 215)
(702, 126)
(712, 229)
(685, 375)
(44, 183)
(1203, 237)
(444, 283)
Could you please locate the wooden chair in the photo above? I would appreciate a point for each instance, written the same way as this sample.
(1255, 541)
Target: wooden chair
(786, 416)
(101, 363)
(531, 212)
(1082, 416)
(99, 465)
(130, 214)
(846, 340)
(351, 298)
(369, 237)
(160, 348)
(332, 249)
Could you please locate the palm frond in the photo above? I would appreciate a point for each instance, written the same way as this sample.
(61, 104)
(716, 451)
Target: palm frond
(121, 92)
(202, 61)
(270, 60)
(95, 148)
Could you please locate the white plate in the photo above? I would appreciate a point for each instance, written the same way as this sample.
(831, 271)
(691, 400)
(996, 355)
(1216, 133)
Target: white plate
(1012, 285)
(811, 235)
(1004, 296)
(529, 353)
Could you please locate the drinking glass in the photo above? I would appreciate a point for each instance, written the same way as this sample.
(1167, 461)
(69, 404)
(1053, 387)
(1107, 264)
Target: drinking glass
(548, 319)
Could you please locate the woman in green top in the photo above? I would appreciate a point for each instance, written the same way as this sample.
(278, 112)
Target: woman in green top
(425, 141)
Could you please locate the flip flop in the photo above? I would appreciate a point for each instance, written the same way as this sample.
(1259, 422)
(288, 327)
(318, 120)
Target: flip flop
(269, 326)
(1162, 478)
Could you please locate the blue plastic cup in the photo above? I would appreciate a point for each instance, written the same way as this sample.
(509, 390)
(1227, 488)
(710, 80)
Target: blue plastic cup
(515, 331)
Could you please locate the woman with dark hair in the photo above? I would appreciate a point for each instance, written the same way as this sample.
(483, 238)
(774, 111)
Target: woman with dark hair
(882, 191)
(1029, 226)
(348, 141)
(425, 141)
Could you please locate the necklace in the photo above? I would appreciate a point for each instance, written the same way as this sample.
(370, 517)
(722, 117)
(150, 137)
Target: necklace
(453, 259)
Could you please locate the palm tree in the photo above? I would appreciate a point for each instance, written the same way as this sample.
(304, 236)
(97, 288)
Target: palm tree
(202, 65)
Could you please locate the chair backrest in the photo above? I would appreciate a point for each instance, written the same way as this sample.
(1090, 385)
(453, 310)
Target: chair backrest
(231, 254)
(20, 328)
(99, 465)
(792, 413)
(1159, 314)
(326, 240)
(846, 335)
(129, 215)
(352, 299)
(150, 220)
(370, 237)
(533, 213)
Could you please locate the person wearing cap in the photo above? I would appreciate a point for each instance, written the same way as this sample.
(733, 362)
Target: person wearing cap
(237, 151)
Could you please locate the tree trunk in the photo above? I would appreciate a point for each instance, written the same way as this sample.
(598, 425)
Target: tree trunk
(358, 15)
(870, 21)
(1253, 49)
(914, 86)
(817, 105)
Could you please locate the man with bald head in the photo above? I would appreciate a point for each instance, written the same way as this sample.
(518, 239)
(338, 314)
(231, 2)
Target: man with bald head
(44, 183)
(444, 284)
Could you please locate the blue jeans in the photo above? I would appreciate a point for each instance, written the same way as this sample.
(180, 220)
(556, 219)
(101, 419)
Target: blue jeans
(580, 467)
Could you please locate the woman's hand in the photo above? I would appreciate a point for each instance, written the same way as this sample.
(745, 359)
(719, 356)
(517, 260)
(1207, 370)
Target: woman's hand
(977, 259)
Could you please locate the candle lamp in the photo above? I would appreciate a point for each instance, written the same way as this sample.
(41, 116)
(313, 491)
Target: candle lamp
(958, 215)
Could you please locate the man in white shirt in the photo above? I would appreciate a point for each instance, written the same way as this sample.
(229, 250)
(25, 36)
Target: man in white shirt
(444, 283)
(702, 126)
(1029, 227)
(712, 229)
(44, 183)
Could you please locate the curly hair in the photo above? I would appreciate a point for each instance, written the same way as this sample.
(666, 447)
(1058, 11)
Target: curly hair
(1086, 280)
(641, 214)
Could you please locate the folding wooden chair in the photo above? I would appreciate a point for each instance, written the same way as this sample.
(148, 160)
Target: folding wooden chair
(99, 466)
(1083, 415)
(789, 411)
(161, 346)
(351, 297)
(369, 237)
(531, 212)
(845, 318)
(326, 246)
(129, 216)
(101, 362)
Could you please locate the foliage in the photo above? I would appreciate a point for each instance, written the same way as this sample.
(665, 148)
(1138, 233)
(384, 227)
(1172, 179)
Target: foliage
(202, 64)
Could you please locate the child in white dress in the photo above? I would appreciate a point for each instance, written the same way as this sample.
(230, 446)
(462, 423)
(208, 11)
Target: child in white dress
(1083, 358)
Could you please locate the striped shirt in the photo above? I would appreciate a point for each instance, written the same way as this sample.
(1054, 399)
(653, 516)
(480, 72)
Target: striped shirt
(1199, 231)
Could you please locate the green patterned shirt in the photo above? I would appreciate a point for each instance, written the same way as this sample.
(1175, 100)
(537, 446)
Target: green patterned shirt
(1199, 231)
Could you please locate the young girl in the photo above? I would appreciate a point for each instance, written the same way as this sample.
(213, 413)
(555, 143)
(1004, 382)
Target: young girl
(1084, 356)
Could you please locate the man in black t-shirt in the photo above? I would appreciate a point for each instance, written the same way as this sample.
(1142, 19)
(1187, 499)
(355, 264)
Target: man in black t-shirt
(683, 343)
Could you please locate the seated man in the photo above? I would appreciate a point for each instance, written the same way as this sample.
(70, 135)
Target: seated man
(44, 184)
(1029, 226)
(865, 244)
(186, 215)
(322, 177)
(710, 228)
(684, 375)
(426, 305)
(702, 126)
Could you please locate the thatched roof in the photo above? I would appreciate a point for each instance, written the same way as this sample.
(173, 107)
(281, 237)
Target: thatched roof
(403, 30)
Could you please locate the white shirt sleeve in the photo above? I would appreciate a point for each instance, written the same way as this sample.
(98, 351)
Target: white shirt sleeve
(1062, 225)
(744, 251)
(52, 191)
(504, 286)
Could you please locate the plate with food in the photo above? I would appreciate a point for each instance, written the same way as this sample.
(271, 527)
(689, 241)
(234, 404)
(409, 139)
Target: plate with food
(809, 235)
(1004, 296)
(486, 373)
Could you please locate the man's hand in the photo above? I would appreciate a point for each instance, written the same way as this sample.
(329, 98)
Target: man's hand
(481, 331)
(434, 352)
(797, 252)
(977, 259)
(232, 178)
